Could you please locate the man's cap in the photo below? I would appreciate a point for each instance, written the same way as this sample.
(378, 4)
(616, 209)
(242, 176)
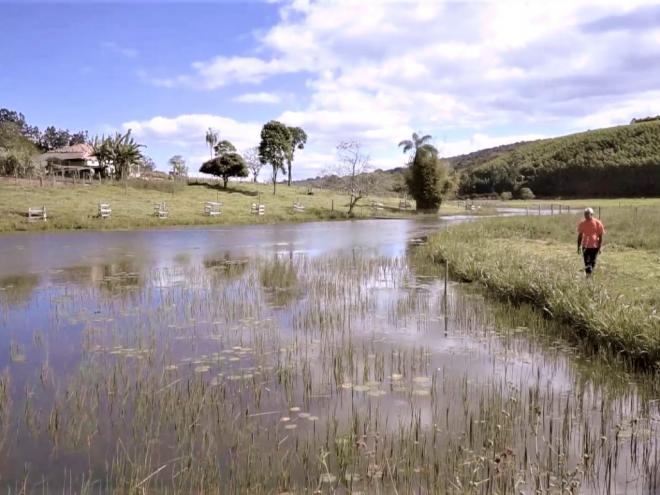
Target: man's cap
(589, 210)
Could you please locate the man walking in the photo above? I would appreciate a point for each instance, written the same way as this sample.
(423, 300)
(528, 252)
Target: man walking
(590, 238)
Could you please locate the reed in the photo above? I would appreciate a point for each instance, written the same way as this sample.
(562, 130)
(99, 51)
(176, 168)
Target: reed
(309, 373)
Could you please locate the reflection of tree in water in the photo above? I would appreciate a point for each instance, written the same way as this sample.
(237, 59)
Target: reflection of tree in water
(225, 267)
(114, 278)
(279, 280)
(423, 265)
(17, 289)
(120, 277)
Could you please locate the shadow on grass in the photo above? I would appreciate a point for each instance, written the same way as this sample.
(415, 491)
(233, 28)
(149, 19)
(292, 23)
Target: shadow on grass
(229, 189)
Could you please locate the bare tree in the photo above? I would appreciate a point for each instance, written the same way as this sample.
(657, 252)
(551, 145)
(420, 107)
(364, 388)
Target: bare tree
(354, 167)
(254, 165)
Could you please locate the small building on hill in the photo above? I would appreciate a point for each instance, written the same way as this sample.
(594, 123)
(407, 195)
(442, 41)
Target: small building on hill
(77, 160)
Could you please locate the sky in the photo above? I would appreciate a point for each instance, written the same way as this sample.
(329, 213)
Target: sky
(471, 74)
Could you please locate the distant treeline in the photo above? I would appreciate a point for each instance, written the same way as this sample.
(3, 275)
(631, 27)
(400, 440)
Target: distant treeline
(383, 182)
(618, 161)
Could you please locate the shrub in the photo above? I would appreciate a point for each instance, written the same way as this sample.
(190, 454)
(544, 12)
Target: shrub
(525, 193)
(506, 196)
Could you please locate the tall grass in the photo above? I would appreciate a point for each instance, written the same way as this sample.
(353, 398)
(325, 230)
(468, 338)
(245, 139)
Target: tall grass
(501, 255)
(635, 227)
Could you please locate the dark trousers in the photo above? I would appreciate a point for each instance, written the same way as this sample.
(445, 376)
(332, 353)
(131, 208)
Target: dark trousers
(590, 255)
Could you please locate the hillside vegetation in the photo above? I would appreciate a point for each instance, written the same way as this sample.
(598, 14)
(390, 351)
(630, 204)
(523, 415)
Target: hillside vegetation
(618, 161)
(392, 182)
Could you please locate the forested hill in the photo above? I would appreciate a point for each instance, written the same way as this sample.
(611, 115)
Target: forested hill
(476, 158)
(616, 161)
(391, 181)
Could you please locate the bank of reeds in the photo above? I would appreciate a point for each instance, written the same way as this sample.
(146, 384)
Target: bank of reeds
(512, 261)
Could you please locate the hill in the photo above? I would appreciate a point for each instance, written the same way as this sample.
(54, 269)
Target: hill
(383, 182)
(479, 157)
(391, 182)
(617, 161)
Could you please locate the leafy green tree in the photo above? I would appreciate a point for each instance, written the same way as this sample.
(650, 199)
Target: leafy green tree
(104, 153)
(17, 152)
(212, 137)
(298, 141)
(224, 147)
(227, 165)
(53, 138)
(275, 147)
(178, 165)
(10, 116)
(427, 179)
(79, 137)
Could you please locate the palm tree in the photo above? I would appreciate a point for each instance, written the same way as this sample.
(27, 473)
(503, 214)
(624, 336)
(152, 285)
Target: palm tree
(417, 143)
(212, 139)
(125, 153)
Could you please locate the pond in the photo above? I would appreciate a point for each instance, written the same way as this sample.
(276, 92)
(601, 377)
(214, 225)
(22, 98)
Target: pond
(296, 358)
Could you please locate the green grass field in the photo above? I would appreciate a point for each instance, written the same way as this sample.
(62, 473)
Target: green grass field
(604, 203)
(535, 260)
(76, 206)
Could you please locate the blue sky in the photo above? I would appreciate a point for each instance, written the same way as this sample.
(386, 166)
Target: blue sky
(472, 74)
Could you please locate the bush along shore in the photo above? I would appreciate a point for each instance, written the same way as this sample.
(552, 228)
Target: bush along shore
(520, 260)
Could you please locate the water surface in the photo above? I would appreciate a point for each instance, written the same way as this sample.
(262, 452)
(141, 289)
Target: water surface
(320, 356)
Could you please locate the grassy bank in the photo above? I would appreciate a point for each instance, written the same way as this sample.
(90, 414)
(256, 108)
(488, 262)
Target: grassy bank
(534, 260)
(76, 206)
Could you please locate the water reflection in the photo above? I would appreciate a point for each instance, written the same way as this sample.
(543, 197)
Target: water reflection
(18, 289)
(285, 367)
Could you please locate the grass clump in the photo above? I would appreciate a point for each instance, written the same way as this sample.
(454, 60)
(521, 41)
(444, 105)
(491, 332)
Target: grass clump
(533, 260)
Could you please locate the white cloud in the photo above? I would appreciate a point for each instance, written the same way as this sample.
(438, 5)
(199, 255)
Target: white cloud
(480, 141)
(186, 134)
(432, 66)
(644, 105)
(261, 97)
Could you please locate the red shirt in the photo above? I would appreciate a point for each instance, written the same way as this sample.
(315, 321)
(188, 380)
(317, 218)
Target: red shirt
(592, 230)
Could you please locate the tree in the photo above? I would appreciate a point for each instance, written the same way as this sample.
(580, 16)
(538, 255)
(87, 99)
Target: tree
(147, 164)
(298, 141)
(16, 150)
(223, 147)
(225, 166)
(212, 137)
(251, 157)
(275, 147)
(124, 152)
(28, 131)
(103, 151)
(427, 179)
(79, 137)
(354, 166)
(417, 143)
(53, 138)
(179, 168)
